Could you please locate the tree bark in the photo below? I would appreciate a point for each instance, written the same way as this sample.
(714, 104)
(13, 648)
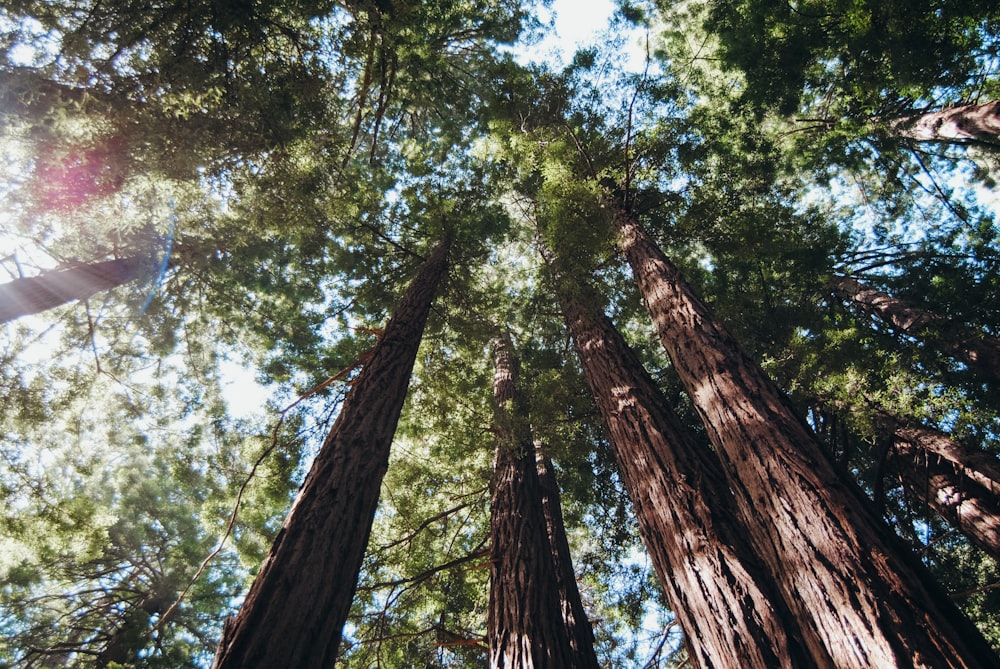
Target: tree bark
(525, 625)
(961, 123)
(294, 614)
(976, 349)
(726, 603)
(978, 466)
(966, 505)
(858, 597)
(51, 289)
(578, 627)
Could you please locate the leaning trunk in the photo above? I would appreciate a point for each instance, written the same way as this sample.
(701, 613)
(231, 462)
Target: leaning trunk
(295, 611)
(858, 597)
(978, 350)
(978, 466)
(525, 626)
(961, 123)
(578, 628)
(51, 289)
(966, 505)
(728, 608)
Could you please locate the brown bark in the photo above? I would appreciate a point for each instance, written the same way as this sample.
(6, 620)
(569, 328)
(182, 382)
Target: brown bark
(960, 123)
(294, 614)
(726, 603)
(525, 626)
(51, 289)
(976, 349)
(966, 505)
(578, 628)
(978, 466)
(859, 599)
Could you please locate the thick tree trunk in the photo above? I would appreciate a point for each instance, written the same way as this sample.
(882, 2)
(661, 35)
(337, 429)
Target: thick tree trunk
(51, 289)
(966, 505)
(726, 603)
(578, 628)
(859, 599)
(525, 625)
(961, 123)
(294, 614)
(978, 350)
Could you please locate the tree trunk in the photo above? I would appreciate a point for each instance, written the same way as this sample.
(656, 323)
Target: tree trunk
(51, 289)
(578, 628)
(728, 608)
(525, 625)
(961, 123)
(294, 614)
(976, 349)
(978, 466)
(858, 597)
(966, 505)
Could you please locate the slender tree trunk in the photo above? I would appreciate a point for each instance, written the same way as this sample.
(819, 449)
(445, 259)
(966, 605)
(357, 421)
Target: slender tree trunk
(858, 597)
(294, 614)
(525, 625)
(978, 466)
(578, 627)
(978, 350)
(966, 505)
(51, 289)
(960, 123)
(726, 603)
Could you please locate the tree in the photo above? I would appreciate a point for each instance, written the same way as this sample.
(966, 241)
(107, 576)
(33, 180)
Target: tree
(292, 598)
(978, 350)
(705, 566)
(526, 622)
(578, 628)
(759, 438)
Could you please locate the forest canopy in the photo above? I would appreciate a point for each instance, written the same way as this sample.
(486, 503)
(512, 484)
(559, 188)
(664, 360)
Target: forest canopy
(363, 332)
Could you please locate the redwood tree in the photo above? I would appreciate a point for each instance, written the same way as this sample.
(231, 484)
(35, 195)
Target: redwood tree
(294, 613)
(525, 623)
(31, 295)
(727, 604)
(859, 599)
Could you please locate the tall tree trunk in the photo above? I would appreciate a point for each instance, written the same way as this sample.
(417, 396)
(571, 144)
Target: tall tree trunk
(974, 348)
(294, 614)
(961, 123)
(858, 597)
(578, 628)
(978, 466)
(727, 605)
(525, 625)
(51, 289)
(966, 505)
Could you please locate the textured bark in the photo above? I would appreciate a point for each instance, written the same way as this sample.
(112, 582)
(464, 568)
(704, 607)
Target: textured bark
(294, 614)
(960, 123)
(858, 598)
(976, 349)
(56, 287)
(978, 466)
(578, 628)
(727, 605)
(970, 508)
(525, 626)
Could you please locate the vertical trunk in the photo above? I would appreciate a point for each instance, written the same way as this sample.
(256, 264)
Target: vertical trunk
(969, 507)
(581, 634)
(294, 614)
(728, 608)
(858, 598)
(960, 123)
(976, 349)
(525, 624)
(56, 287)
